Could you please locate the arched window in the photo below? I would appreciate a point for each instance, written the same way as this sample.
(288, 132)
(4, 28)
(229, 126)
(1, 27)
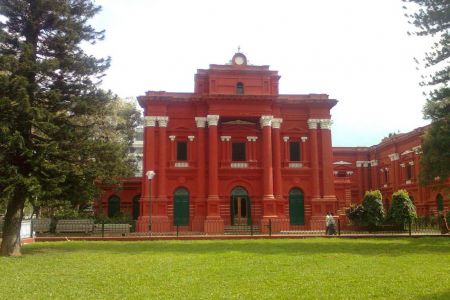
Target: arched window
(181, 207)
(136, 207)
(440, 202)
(239, 88)
(296, 207)
(113, 206)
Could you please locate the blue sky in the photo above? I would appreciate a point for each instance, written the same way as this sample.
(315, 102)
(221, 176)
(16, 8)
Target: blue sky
(356, 51)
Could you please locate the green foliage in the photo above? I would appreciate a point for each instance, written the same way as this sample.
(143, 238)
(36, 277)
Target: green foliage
(370, 213)
(432, 18)
(356, 214)
(121, 218)
(374, 210)
(402, 210)
(59, 132)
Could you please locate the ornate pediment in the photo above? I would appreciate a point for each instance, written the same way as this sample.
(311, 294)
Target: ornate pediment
(238, 122)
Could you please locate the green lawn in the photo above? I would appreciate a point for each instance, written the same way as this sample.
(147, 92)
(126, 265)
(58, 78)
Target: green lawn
(235, 269)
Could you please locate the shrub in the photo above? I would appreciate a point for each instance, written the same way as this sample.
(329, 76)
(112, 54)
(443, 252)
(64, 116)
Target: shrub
(120, 218)
(402, 210)
(374, 210)
(355, 213)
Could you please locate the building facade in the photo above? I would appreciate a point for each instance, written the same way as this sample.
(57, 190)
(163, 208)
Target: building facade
(236, 152)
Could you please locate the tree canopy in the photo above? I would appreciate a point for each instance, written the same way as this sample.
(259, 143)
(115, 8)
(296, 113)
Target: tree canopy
(59, 132)
(432, 18)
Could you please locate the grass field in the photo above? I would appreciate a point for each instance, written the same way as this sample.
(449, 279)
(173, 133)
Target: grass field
(234, 269)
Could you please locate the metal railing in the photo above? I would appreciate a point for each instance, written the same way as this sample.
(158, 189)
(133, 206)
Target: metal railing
(270, 227)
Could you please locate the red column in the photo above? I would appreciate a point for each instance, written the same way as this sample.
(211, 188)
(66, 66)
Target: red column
(213, 222)
(312, 124)
(266, 122)
(172, 150)
(213, 176)
(161, 178)
(200, 200)
(148, 164)
(327, 156)
(191, 148)
(359, 165)
(394, 170)
(200, 121)
(304, 150)
(374, 170)
(286, 150)
(277, 182)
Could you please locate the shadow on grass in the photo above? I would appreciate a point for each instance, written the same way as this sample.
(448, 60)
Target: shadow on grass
(444, 295)
(296, 247)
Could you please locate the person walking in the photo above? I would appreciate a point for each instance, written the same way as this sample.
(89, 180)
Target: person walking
(330, 225)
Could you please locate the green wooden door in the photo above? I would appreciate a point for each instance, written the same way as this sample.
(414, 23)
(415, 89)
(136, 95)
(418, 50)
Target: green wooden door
(296, 207)
(181, 207)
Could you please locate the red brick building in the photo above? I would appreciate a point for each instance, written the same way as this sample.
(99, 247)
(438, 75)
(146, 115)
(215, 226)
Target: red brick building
(236, 151)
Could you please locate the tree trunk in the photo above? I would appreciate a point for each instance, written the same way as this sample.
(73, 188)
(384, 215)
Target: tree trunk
(11, 227)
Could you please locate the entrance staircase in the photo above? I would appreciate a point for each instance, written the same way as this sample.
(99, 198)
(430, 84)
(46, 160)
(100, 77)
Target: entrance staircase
(241, 230)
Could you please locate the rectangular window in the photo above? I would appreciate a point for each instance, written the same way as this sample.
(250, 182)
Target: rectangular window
(408, 172)
(181, 150)
(386, 177)
(238, 152)
(294, 151)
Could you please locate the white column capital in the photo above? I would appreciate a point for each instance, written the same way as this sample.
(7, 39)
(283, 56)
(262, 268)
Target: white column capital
(172, 137)
(374, 163)
(213, 120)
(200, 121)
(411, 163)
(304, 138)
(276, 122)
(191, 138)
(150, 121)
(325, 123)
(252, 138)
(266, 121)
(162, 121)
(362, 163)
(285, 139)
(225, 138)
(394, 156)
(312, 123)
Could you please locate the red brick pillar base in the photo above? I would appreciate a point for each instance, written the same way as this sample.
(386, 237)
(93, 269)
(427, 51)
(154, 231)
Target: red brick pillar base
(142, 224)
(214, 225)
(160, 224)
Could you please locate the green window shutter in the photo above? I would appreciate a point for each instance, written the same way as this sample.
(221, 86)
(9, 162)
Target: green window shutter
(136, 207)
(296, 208)
(113, 206)
(181, 210)
(440, 202)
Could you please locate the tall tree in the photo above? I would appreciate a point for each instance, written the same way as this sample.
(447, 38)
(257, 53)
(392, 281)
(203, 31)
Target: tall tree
(432, 18)
(53, 115)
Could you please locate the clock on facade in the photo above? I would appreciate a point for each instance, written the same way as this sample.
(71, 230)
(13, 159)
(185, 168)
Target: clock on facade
(239, 59)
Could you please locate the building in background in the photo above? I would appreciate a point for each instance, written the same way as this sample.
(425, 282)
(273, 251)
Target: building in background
(236, 152)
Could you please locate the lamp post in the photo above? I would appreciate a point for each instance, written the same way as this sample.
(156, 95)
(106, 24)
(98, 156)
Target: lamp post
(150, 174)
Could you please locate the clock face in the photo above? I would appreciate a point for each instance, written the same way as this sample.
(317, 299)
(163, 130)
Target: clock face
(239, 60)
